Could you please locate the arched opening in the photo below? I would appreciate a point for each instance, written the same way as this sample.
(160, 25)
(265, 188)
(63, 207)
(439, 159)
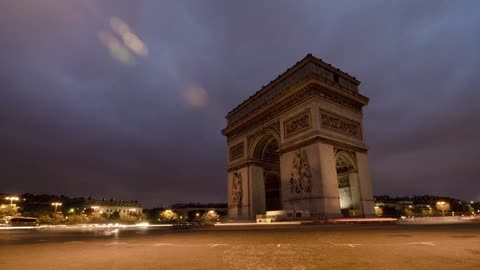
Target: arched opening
(347, 185)
(267, 156)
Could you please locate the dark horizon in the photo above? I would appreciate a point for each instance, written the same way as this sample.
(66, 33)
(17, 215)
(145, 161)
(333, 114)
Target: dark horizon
(84, 113)
(211, 202)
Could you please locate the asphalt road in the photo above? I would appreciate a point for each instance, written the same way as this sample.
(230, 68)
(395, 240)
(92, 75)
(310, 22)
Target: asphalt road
(338, 246)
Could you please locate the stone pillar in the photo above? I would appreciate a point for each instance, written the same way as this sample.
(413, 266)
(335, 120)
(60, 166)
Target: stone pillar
(328, 174)
(239, 211)
(355, 190)
(367, 202)
(323, 200)
(257, 194)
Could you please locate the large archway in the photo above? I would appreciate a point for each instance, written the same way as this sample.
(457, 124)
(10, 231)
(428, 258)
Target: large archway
(284, 141)
(347, 179)
(266, 155)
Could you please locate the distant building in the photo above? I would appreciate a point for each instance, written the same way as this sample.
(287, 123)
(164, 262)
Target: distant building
(111, 206)
(425, 205)
(190, 210)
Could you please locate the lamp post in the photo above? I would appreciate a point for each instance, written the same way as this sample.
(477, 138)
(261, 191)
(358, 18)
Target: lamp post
(12, 198)
(442, 207)
(56, 204)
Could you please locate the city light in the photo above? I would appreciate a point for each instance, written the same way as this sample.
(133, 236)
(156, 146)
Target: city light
(441, 205)
(12, 198)
(56, 204)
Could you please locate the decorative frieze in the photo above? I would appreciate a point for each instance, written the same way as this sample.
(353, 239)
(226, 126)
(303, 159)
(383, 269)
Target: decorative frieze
(292, 100)
(237, 151)
(340, 124)
(297, 124)
(301, 175)
(236, 199)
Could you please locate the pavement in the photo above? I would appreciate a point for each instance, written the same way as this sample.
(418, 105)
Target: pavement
(327, 246)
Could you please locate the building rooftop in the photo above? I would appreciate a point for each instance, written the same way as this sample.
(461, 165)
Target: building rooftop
(233, 116)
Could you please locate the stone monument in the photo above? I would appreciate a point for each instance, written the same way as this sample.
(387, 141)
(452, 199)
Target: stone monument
(298, 144)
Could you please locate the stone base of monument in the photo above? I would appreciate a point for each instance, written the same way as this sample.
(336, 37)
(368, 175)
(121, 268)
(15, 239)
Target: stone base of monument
(283, 215)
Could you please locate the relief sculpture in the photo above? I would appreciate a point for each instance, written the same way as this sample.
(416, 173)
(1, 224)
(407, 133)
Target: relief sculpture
(297, 124)
(301, 175)
(341, 125)
(237, 189)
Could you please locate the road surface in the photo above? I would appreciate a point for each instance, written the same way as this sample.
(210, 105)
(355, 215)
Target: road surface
(340, 246)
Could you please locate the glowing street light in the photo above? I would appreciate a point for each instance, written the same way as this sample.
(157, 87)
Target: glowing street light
(56, 204)
(441, 204)
(12, 198)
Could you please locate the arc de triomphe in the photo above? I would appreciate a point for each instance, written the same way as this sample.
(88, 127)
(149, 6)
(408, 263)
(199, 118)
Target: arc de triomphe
(299, 144)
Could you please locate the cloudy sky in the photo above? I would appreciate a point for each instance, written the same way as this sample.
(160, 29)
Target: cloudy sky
(126, 99)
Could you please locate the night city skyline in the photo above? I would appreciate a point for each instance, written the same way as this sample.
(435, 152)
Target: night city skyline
(127, 100)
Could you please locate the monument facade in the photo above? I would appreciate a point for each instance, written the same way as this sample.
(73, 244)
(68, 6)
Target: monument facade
(299, 144)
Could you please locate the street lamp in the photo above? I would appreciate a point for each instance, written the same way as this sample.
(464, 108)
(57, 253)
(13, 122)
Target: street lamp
(442, 207)
(12, 198)
(56, 204)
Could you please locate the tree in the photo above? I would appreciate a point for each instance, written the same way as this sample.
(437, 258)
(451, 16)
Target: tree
(470, 209)
(8, 210)
(211, 217)
(168, 216)
(115, 215)
(89, 211)
(76, 219)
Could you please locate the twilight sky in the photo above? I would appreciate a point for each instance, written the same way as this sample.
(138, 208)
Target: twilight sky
(126, 99)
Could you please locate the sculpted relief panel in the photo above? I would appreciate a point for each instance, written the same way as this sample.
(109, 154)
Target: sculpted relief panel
(297, 124)
(237, 151)
(301, 175)
(236, 189)
(340, 124)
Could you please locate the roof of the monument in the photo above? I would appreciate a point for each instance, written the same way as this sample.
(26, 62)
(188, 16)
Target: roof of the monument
(308, 58)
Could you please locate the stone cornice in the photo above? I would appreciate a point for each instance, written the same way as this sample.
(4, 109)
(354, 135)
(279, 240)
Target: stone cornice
(239, 165)
(307, 66)
(315, 137)
(310, 87)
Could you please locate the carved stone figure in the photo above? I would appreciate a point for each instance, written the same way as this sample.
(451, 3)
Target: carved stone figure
(301, 175)
(237, 189)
